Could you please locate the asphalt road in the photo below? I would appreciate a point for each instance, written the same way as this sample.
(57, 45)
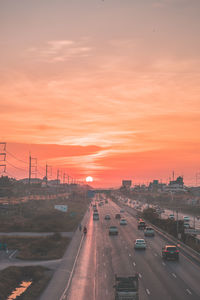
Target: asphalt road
(102, 256)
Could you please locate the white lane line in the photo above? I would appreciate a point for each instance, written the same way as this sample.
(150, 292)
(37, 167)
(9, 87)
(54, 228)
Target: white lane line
(105, 275)
(155, 254)
(148, 292)
(11, 255)
(140, 275)
(72, 271)
(174, 275)
(129, 254)
(164, 264)
(189, 292)
(134, 264)
(104, 264)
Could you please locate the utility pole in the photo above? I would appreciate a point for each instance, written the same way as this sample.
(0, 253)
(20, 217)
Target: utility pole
(29, 173)
(177, 223)
(32, 168)
(3, 156)
(58, 175)
(46, 172)
(64, 177)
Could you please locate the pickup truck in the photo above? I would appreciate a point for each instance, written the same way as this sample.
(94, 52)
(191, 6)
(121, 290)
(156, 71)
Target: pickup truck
(126, 288)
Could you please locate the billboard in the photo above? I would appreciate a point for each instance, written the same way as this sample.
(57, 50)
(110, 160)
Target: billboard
(62, 208)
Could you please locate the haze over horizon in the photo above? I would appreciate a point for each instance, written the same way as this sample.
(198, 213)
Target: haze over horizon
(108, 89)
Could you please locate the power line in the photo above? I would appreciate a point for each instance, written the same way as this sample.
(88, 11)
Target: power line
(16, 167)
(25, 162)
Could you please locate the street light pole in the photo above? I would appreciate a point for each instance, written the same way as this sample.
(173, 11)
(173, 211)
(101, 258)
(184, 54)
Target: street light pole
(177, 223)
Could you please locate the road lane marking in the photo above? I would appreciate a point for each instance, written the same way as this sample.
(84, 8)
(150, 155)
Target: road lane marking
(148, 292)
(155, 254)
(174, 275)
(129, 254)
(140, 275)
(164, 264)
(189, 292)
(11, 255)
(134, 264)
(104, 264)
(105, 275)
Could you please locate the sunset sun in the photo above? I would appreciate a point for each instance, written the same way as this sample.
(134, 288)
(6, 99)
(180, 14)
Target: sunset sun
(89, 179)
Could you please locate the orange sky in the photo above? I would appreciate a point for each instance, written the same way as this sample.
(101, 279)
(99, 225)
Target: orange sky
(108, 89)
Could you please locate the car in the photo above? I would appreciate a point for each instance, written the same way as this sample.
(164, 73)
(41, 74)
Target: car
(95, 216)
(117, 216)
(113, 230)
(186, 219)
(186, 225)
(140, 244)
(170, 252)
(122, 211)
(123, 222)
(149, 231)
(171, 217)
(141, 224)
(95, 210)
(107, 217)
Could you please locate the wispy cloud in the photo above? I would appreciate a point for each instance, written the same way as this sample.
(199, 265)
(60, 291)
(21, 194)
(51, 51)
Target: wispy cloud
(60, 50)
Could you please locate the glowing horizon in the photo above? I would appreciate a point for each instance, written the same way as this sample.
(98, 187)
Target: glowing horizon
(107, 89)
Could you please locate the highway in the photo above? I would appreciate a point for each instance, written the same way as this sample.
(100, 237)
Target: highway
(102, 256)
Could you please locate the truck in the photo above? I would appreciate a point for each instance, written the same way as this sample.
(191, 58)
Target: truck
(126, 288)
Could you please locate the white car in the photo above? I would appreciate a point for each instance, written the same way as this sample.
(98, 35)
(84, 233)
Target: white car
(123, 222)
(149, 231)
(171, 217)
(140, 244)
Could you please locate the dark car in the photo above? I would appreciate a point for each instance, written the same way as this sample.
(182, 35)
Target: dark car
(141, 224)
(170, 252)
(117, 216)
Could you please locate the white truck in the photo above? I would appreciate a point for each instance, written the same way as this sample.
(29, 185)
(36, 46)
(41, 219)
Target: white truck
(126, 288)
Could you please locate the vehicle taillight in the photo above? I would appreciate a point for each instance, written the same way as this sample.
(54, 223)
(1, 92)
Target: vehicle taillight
(177, 251)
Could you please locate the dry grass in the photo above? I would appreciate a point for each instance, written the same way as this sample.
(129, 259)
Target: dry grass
(11, 277)
(40, 215)
(42, 248)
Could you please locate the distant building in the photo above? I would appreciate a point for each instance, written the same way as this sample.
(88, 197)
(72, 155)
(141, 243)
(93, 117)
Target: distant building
(156, 186)
(178, 182)
(176, 185)
(126, 184)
